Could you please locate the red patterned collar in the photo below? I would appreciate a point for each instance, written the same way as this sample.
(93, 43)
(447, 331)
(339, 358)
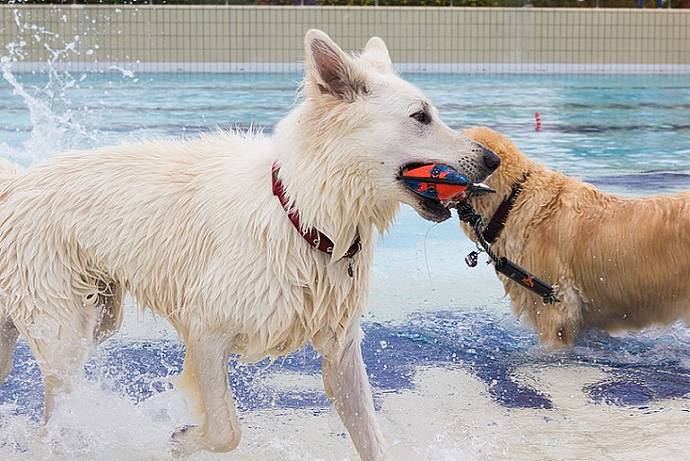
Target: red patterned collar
(315, 238)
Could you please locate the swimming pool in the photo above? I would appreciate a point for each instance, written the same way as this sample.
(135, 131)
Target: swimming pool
(455, 376)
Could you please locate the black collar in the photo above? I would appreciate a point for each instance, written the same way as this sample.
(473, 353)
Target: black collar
(493, 230)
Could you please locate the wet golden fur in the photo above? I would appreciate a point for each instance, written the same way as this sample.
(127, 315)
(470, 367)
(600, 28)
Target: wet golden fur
(619, 263)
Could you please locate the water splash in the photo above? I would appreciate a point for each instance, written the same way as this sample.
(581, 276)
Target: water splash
(71, 433)
(53, 125)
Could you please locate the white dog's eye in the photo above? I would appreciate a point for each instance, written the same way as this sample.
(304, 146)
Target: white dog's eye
(422, 117)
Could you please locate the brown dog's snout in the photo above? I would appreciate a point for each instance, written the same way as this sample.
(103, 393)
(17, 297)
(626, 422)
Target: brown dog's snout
(491, 161)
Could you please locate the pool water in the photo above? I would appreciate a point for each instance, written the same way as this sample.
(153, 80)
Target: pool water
(455, 376)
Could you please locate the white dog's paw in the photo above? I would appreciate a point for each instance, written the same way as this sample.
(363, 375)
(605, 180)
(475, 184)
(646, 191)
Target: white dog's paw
(185, 441)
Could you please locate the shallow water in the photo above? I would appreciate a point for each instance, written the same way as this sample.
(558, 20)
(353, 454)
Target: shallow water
(455, 376)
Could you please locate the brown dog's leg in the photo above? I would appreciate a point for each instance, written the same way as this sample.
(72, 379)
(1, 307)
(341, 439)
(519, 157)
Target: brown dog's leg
(556, 333)
(559, 324)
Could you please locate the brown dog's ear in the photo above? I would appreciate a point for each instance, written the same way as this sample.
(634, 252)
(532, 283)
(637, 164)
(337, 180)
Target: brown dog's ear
(376, 54)
(330, 69)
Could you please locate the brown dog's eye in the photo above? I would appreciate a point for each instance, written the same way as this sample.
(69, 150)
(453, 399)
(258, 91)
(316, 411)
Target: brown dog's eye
(422, 117)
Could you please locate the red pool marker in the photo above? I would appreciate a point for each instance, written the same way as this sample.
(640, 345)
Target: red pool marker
(537, 118)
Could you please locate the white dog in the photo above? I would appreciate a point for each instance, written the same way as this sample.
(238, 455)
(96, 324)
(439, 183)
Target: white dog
(195, 230)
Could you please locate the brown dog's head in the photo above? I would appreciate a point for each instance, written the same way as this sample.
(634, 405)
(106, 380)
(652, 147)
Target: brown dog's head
(514, 164)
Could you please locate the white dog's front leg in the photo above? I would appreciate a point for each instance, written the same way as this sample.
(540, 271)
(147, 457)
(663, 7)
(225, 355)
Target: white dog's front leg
(205, 382)
(347, 385)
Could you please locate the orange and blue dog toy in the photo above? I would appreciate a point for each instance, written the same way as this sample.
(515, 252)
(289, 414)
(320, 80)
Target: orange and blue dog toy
(436, 181)
(440, 182)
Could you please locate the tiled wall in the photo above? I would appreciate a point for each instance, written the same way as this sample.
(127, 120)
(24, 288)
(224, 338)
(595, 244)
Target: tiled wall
(248, 38)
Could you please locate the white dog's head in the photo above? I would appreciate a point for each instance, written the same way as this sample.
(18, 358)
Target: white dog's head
(357, 111)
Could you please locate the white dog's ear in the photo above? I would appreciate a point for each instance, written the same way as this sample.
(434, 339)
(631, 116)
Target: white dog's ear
(376, 53)
(329, 68)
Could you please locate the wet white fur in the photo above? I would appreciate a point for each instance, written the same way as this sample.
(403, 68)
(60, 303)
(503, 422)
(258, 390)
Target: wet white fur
(191, 230)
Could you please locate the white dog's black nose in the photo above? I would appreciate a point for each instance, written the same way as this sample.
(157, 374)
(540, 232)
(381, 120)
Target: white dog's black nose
(491, 160)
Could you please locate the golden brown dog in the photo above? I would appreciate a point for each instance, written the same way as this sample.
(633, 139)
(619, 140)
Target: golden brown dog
(619, 263)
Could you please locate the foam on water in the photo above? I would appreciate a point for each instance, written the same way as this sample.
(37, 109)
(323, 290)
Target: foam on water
(455, 376)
